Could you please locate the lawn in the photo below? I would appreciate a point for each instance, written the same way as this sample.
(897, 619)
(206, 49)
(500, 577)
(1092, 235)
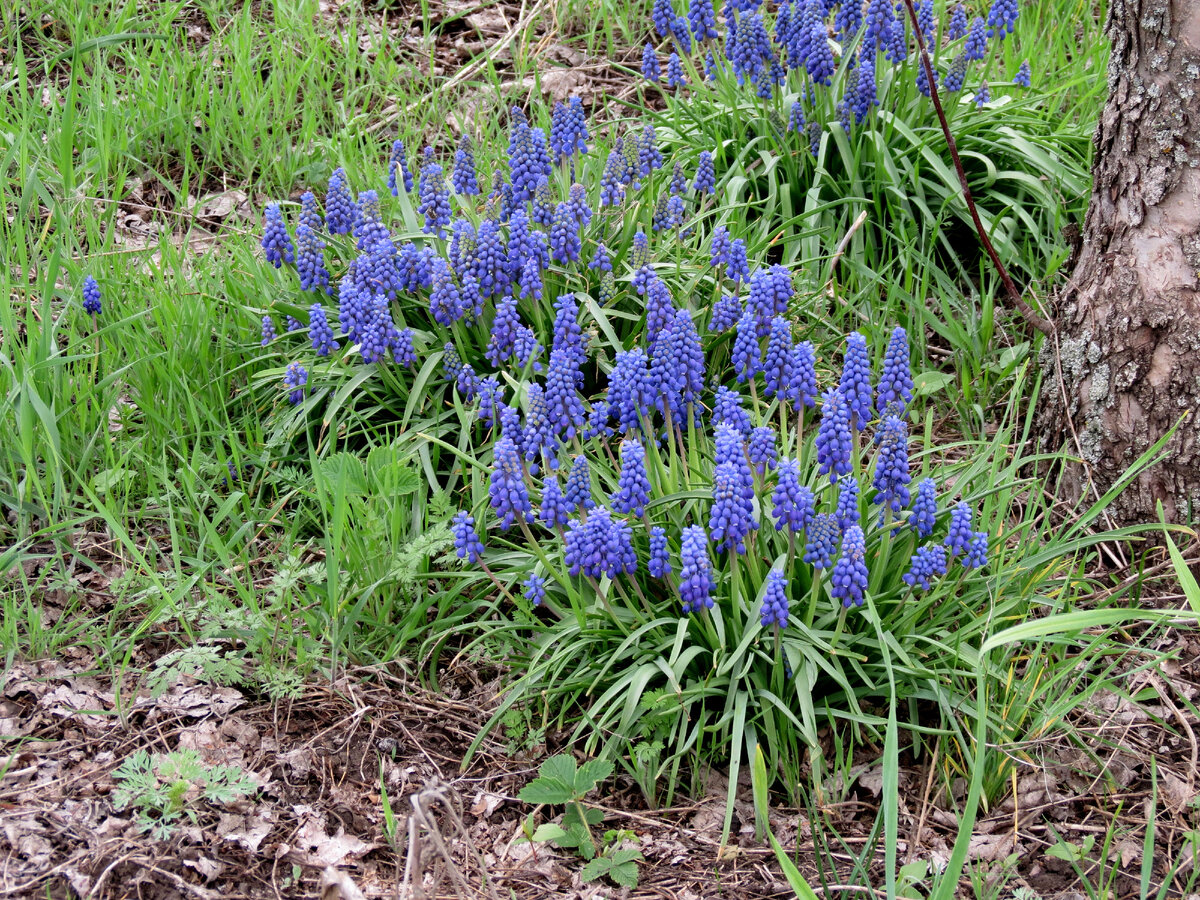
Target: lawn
(546, 450)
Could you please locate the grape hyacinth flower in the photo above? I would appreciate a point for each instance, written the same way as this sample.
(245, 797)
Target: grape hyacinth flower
(822, 535)
(491, 395)
(651, 70)
(554, 511)
(368, 222)
(659, 565)
(924, 508)
(727, 409)
(507, 492)
(702, 19)
(530, 284)
(577, 200)
(602, 260)
(804, 376)
(731, 518)
(464, 178)
(528, 350)
(435, 201)
(894, 391)
(620, 557)
(959, 535)
(927, 23)
(662, 14)
(579, 485)
(310, 258)
(319, 331)
(268, 330)
(862, 96)
(568, 129)
(611, 188)
(678, 179)
(543, 203)
(847, 504)
(819, 62)
(956, 76)
(1002, 18)
(834, 441)
(695, 571)
(896, 51)
(891, 468)
(850, 574)
(564, 236)
(706, 178)
(958, 23)
(293, 324)
(746, 353)
(681, 34)
(537, 433)
(445, 302)
(983, 96)
(796, 120)
(847, 22)
(535, 589)
(276, 242)
(792, 503)
(648, 155)
(780, 364)
(761, 449)
(928, 563)
(586, 544)
(398, 163)
(721, 246)
(339, 204)
(977, 550)
(1023, 78)
(92, 305)
(737, 269)
(467, 544)
(631, 389)
(879, 21)
(403, 351)
(489, 260)
(597, 425)
(725, 313)
(564, 409)
(975, 48)
(295, 377)
(505, 327)
(675, 76)
(775, 601)
(855, 385)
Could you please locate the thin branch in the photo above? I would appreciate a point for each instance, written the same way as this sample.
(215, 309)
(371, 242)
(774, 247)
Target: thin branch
(1027, 311)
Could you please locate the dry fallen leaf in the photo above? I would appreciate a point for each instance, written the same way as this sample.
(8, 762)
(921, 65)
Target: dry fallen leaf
(337, 885)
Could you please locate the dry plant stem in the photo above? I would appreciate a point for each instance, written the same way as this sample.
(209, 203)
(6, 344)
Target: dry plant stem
(1027, 312)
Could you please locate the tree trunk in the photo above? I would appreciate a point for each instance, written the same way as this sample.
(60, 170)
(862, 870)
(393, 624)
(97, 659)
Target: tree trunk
(1129, 319)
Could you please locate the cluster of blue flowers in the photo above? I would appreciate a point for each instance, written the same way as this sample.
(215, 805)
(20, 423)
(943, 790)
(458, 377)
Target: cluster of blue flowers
(651, 398)
(91, 296)
(799, 47)
(488, 274)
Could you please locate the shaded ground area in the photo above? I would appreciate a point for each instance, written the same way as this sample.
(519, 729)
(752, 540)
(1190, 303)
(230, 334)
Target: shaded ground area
(321, 764)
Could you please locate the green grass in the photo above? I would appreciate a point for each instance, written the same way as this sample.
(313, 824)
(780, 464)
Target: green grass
(328, 548)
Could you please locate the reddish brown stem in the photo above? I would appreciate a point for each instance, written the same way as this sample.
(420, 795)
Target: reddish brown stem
(1027, 312)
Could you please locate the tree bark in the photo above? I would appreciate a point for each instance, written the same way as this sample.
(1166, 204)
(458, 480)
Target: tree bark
(1129, 318)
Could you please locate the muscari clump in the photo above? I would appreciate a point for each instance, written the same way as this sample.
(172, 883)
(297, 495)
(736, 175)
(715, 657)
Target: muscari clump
(825, 475)
(794, 56)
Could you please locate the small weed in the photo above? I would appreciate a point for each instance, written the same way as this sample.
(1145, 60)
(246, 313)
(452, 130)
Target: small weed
(164, 787)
